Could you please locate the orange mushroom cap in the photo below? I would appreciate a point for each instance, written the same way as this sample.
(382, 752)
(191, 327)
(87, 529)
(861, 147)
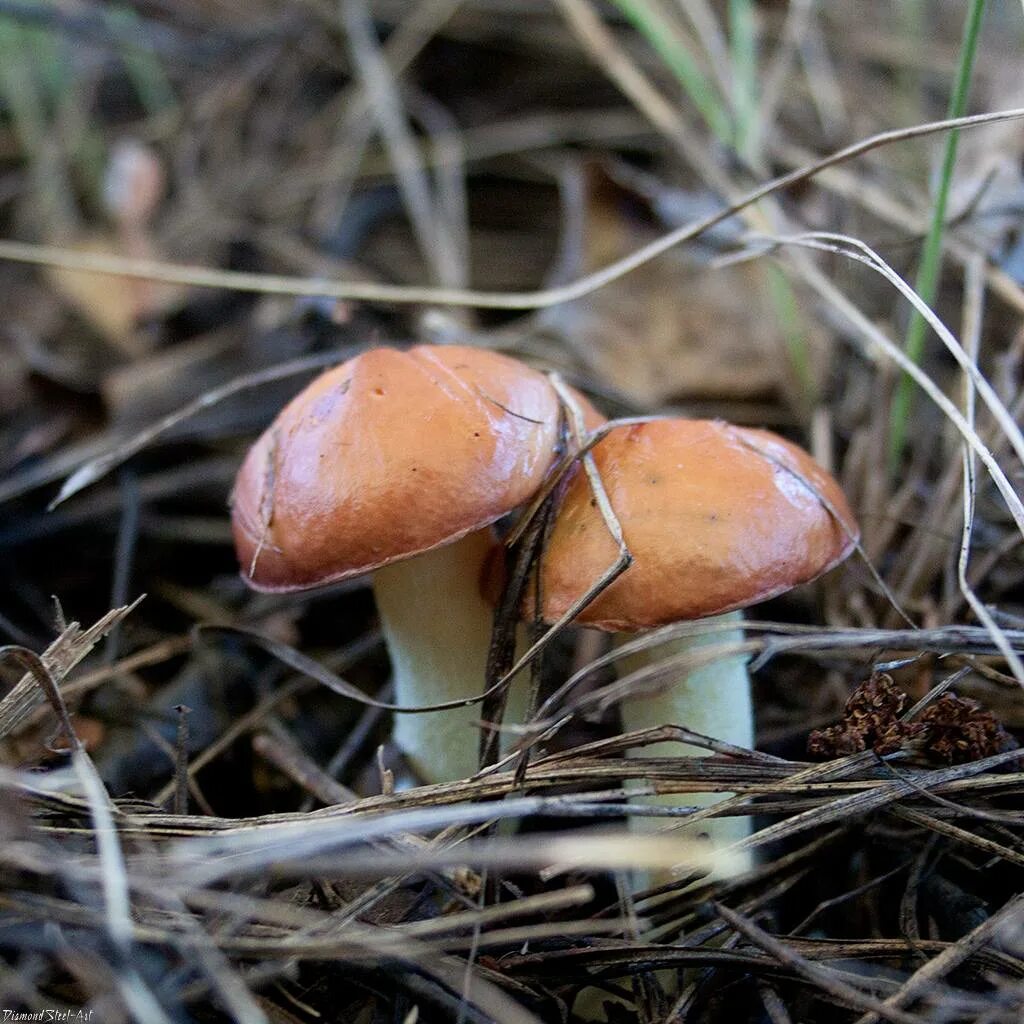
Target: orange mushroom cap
(386, 456)
(716, 517)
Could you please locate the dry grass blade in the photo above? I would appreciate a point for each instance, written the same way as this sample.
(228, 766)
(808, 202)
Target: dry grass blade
(960, 835)
(384, 99)
(73, 644)
(97, 468)
(200, 277)
(854, 248)
(1010, 915)
(132, 987)
(821, 977)
(863, 803)
(849, 310)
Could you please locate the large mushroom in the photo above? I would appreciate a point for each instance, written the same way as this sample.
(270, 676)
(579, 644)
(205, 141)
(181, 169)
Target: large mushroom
(397, 463)
(716, 517)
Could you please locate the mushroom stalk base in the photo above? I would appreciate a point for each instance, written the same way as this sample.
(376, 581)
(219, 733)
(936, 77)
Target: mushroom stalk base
(438, 630)
(713, 700)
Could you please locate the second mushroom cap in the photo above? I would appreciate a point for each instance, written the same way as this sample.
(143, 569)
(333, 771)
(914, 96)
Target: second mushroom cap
(716, 517)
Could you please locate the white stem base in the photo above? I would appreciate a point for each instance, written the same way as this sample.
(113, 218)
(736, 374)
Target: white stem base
(438, 631)
(713, 700)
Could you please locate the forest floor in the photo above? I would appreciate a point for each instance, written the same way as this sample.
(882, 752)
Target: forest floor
(283, 185)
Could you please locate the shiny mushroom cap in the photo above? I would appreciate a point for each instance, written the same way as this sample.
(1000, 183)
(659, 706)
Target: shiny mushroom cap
(716, 517)
(387, 456)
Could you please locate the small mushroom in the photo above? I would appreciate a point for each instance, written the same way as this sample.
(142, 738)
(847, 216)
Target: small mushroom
(716, 517)
(397, 463)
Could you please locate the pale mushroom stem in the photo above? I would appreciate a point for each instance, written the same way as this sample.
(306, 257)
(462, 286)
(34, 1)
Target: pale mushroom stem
(713, 700)
(438, 630)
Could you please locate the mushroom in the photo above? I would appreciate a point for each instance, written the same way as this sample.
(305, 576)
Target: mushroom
(397, 463)
(716, 517)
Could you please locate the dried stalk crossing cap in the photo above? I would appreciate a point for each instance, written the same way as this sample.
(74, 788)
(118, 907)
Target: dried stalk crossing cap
(716, 517)
(389, 455)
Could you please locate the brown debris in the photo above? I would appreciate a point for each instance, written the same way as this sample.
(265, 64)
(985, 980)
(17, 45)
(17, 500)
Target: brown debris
(870, 720)
(953, 730)
(959, 729)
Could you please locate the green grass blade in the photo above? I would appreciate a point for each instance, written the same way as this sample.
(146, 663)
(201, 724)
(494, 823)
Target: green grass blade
(926, 282)
(746, 140)
(658, 33)
(787, 311)
(743, 45)
(19, 88)
(739, 132)
(147, 75)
